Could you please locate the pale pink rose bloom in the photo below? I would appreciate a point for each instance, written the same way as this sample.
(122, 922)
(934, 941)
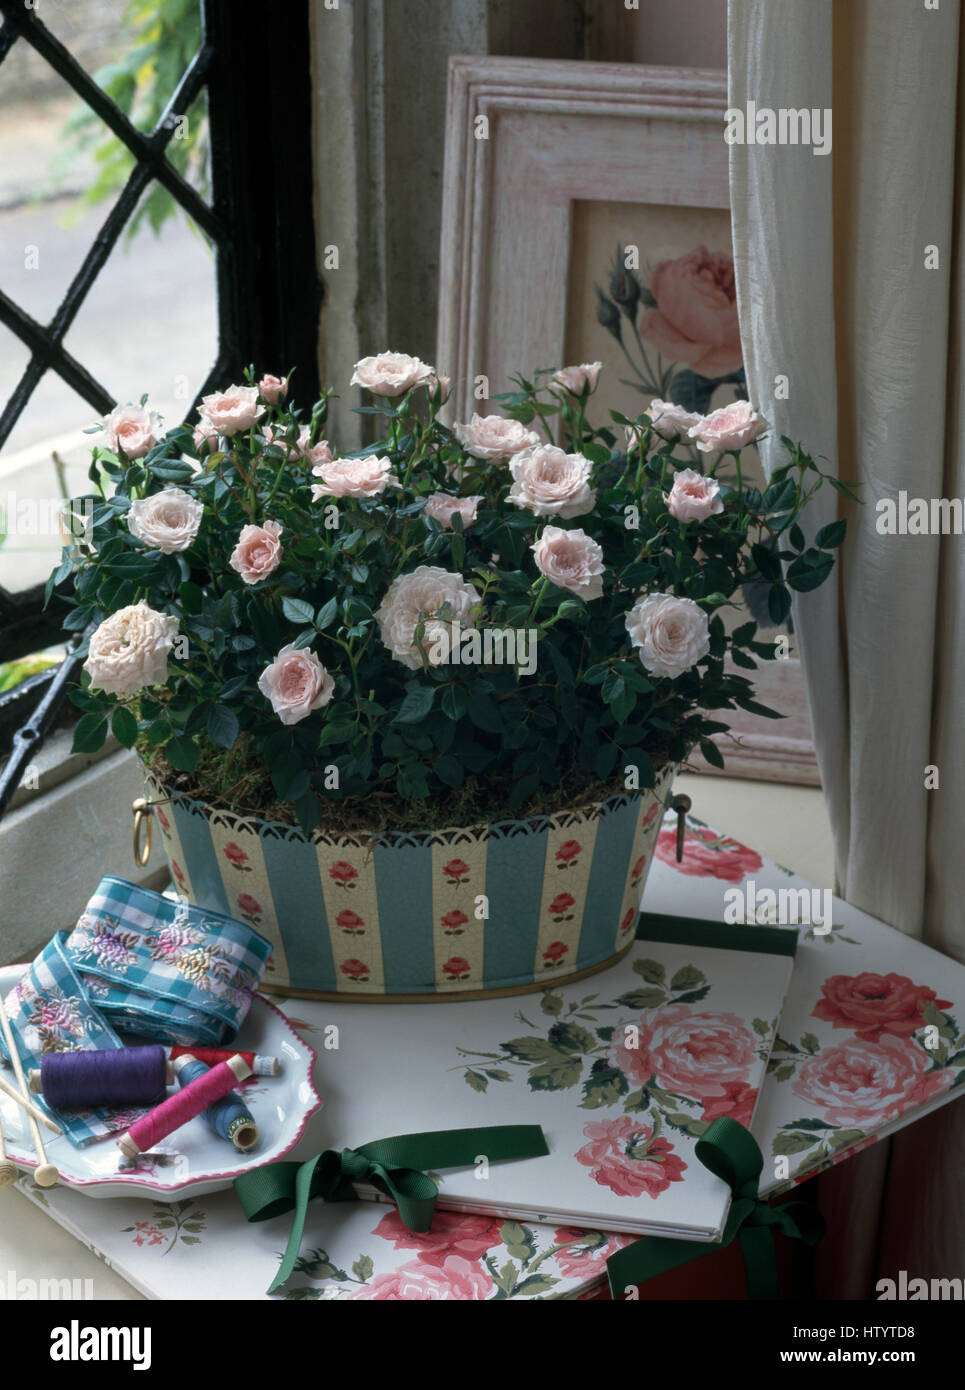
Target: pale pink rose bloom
(441, 506)
(391, 373)
(232, 411)
(442, 384)
(353, 478)
(671, 421)
(205, 436)
(167, 520)
(728, 429)
(419, 597)
(693, 497)
(672, 634)
(454, 1278)
(576, 380)
(297, 684)
(271, 388)
(690, 1052)
(258, 552)
(301, 447)
(695, 319)
(570, 560)
(132, 429)
(129, 651)
(492, 437)
(866, 1084)
(549, 482)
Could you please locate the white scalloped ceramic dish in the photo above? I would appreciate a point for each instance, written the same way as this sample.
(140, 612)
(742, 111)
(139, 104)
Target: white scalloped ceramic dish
(194, 1161)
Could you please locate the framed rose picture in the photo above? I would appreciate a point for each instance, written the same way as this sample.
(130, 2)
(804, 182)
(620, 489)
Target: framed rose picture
(586, 218)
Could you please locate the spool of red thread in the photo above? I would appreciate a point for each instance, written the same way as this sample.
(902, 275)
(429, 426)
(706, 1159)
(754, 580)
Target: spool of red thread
(175, 1112)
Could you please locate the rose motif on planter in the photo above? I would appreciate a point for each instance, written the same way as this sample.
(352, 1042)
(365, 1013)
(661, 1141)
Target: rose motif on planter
(351, 922)
(651, 814)
(555, 952)
(453, 922)
(236, 857)
(456, 871)
(249, 907)
(567, 854)
(559, 908)
(177, 872)
(628, 920)
(636, 873)
(355, 970)
(457, 968)
(342, 874)
(163, 821)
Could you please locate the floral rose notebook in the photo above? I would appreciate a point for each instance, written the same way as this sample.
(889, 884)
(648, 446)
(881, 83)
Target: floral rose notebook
(850, 1065)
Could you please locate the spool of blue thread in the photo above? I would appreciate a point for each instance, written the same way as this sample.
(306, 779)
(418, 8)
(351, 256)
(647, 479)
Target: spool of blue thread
(230, 1118)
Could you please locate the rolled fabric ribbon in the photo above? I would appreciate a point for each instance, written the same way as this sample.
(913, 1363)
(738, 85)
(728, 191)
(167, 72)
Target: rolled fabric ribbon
(732, 1153)
(165, 970)
(394, 1166)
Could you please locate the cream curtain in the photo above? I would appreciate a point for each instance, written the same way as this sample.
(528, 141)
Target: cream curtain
(839, 291)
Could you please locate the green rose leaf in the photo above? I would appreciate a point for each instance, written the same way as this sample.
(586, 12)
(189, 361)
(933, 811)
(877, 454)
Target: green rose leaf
(223, 726)
(124, 726)
(296, 610)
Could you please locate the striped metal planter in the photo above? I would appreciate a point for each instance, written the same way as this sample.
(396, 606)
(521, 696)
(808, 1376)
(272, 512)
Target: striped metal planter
(508, 907)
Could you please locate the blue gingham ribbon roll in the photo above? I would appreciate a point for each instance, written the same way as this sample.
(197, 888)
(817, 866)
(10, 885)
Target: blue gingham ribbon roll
(142, 964)
(166, 970)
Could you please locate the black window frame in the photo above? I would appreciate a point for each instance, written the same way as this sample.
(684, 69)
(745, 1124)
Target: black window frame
(261, 222)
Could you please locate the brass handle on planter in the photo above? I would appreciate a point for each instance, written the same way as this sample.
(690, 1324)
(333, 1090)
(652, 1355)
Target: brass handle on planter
(681, 804)
(142, 816)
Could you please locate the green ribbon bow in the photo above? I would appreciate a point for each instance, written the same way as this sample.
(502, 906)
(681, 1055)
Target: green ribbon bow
(395, 1166)
(731, 1153)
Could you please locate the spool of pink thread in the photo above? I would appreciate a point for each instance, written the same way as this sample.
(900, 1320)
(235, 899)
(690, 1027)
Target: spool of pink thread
(183, 1106)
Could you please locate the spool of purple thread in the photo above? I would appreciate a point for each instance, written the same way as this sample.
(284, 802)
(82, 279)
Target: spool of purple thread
(122, 1076)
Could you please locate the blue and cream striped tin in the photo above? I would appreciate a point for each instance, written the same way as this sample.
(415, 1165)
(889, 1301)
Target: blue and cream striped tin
(511, 906)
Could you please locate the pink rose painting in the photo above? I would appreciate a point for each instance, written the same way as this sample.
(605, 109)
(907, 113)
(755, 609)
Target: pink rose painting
(707, 854)
(452, 1233)
(559, 908)
(864, 1084)
(455, 1278)
(342, 874)
(355, 969)
(694, 318)
(623, 1156)
(690, 1053)
(871, 1005)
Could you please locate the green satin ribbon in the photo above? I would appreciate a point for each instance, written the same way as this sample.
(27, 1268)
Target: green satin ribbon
(731, 1153)
(394, 1166)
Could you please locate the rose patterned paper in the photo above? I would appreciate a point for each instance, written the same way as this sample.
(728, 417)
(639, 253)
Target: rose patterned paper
(849, 1066)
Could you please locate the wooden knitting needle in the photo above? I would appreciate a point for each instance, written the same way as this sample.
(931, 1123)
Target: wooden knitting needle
(46, 1174)
(8, 1169)
(28, 1106)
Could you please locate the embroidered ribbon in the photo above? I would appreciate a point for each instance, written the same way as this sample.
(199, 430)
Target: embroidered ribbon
(731, 1153)
(395, 1166)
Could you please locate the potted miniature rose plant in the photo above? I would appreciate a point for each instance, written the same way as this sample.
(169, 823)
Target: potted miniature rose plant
(415, 711)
